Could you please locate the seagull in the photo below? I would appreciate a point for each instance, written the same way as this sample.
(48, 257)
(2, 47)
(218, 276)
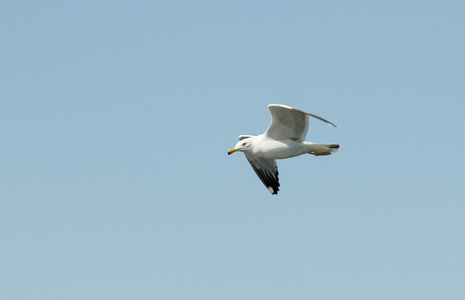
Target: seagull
(284, 138)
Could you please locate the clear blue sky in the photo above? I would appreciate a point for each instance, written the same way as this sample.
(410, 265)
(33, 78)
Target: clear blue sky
(115, 121)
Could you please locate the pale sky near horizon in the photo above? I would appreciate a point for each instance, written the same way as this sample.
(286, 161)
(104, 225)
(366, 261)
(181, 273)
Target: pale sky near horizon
(115, 122)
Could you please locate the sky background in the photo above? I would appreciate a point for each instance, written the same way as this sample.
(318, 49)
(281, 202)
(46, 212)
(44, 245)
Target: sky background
(115, 122)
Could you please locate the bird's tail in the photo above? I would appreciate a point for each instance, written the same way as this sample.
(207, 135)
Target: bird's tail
(322, 149)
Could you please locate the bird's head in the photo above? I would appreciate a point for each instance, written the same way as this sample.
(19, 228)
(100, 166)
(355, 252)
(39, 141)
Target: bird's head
(243, 145)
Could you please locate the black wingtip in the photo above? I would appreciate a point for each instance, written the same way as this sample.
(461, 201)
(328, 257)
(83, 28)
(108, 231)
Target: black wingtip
(273, 190)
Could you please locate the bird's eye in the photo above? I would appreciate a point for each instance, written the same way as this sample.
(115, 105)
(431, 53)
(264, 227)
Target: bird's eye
(244, 144)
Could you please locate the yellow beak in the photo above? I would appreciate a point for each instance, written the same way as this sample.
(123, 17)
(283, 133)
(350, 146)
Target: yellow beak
(232, 151)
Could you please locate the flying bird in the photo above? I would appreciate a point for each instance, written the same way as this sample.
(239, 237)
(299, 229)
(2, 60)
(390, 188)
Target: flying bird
(284, 138)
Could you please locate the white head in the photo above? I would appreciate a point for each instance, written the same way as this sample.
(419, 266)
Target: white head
(243, 145)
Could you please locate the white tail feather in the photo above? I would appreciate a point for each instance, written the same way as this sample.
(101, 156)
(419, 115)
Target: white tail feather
(322, 149)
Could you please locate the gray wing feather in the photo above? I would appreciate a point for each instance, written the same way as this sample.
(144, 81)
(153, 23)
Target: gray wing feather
(267, 171)
(289, 123)
(245, 136)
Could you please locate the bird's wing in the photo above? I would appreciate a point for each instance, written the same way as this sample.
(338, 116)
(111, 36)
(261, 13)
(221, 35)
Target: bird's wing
(245, 136)
(267, 171)
(289, 123)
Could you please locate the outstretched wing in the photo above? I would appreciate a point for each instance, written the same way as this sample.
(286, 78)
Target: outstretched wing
(267, 171)
(245, 136)
(289, 123)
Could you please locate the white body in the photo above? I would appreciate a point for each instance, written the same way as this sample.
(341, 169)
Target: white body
(269, 148)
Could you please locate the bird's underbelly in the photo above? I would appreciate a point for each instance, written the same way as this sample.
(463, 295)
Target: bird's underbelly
(280, 149)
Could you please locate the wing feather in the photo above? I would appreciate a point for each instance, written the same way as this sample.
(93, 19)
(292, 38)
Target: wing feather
(289, 123)
(245, 136)
(267, 171)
